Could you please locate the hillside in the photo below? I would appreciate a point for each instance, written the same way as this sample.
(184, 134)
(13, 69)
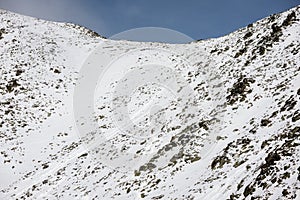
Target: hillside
(240, 141)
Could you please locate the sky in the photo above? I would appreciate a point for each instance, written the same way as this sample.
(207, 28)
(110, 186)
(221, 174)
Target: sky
(198, 19)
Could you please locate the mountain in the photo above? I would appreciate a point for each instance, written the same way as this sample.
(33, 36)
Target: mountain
(235, 134)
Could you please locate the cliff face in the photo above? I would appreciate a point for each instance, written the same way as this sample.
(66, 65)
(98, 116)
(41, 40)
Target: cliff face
(247, 88)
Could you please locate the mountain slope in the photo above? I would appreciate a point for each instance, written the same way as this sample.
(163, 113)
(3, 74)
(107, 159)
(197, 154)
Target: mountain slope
(250, 101)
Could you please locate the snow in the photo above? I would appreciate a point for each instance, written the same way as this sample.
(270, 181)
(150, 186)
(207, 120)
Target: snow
(219, 153)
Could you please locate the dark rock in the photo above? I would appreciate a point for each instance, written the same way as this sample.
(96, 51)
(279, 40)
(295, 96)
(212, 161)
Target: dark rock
(83, 155)
(19, 72)
(289, 104)
(219, 162)
(289, 19)
(247, 35)
(239, 90)
(203, 125)
(275, 28)
(296, 117)
(56, 71)
(271, 158)
(45, 166)
(265, 122)
(12, 85)
(248, 190)
(261, 50)
(285, 192)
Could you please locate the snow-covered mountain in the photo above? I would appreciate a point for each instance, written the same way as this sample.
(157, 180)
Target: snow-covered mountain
(246, 86)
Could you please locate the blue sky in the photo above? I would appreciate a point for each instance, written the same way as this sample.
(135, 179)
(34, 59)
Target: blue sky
(199, 19)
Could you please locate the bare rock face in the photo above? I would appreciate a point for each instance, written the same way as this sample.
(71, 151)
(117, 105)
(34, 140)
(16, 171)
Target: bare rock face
(256, 153)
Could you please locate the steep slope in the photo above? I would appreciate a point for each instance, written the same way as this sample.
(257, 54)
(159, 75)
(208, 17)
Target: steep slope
(247, 86)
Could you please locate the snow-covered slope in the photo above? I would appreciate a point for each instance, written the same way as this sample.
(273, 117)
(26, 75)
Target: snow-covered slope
(249, 103)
